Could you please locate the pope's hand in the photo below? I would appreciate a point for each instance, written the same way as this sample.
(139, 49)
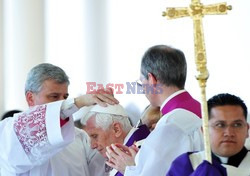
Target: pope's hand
(121, 156)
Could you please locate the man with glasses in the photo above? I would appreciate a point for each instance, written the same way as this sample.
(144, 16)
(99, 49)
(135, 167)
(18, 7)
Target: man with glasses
(228, 130)
(163, 77)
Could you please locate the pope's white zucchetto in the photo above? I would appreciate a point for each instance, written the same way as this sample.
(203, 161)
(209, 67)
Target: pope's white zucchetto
(109, 109)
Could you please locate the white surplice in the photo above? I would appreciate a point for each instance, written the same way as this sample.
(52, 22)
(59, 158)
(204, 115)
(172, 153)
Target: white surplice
(34, 144)
(176, 132)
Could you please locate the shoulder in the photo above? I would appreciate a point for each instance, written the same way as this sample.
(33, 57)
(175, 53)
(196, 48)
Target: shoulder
(183, 119)
(196, 158)
(183, 158)
(245, 162)
(81, 136)
(189, 158)
(232, 171)
(79, 131)
(181, 165)
(186, 163)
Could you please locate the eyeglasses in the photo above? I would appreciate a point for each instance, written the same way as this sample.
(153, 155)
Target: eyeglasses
(221, 126)
(138, 82)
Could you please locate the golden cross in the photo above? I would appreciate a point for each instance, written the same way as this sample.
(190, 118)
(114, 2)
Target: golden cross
(196, 11)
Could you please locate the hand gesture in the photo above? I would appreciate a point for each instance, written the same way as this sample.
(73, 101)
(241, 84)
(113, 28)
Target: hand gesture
(101, 97)
(121, 156)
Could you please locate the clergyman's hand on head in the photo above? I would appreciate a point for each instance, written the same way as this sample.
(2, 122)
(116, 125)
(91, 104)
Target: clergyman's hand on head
(101, 97)
(121, 156)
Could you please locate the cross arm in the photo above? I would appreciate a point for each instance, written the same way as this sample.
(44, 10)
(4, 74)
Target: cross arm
(172, 12)
(216, 9)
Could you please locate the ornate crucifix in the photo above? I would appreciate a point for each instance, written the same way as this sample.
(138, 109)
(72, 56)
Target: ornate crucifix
(196, 11)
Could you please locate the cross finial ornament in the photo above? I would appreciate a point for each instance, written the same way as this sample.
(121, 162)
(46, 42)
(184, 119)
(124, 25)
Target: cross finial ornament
(196, 11)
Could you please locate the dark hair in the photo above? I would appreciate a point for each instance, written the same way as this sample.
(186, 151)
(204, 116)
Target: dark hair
(10, 113)
(226, 99)
(167, 64)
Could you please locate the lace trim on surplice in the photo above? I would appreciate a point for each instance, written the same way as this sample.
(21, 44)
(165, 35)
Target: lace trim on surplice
(30, 128)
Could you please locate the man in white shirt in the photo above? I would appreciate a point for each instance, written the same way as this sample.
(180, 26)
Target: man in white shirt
(163, 76)
(43, 140)
(111, 124)
(228, 130)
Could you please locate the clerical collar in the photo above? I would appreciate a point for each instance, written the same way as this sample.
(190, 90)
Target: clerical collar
(223, 160)
(234, 160)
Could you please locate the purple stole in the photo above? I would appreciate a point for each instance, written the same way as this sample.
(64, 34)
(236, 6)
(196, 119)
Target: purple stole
(141, 133)
(182, 166)
(183, 101)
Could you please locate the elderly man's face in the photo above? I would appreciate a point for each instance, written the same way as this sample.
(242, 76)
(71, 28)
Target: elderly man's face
(228, 130)
(100, 138)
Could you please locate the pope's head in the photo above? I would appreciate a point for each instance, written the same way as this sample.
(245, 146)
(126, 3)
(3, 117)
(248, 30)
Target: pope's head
(105, 126)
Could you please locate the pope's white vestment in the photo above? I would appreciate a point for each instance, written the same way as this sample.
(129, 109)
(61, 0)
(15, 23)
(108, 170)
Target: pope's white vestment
(33, 143)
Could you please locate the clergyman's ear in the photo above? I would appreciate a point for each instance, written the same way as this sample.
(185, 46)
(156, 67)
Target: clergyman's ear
(248, 132)
(117, 128)
(29, 98)
(152, 79)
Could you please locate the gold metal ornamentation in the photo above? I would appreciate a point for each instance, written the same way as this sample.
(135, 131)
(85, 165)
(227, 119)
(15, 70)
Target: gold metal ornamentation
(196, 11)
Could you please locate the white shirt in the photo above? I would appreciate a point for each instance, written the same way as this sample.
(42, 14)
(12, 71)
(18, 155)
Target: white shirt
(36, 145)
(176, 132)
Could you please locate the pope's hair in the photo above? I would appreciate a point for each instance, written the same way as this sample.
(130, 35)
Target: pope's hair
(104, 120)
